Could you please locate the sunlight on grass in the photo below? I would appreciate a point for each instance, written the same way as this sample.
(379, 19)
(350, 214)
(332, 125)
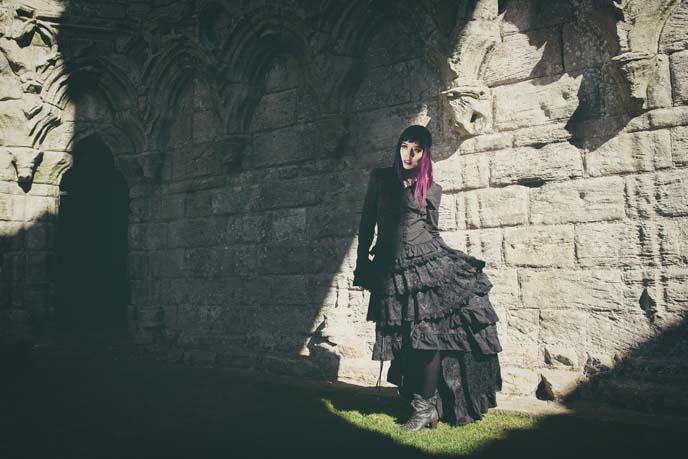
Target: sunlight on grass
(443, 440)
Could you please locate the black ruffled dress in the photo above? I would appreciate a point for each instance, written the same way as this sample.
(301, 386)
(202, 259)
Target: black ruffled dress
(427, 295)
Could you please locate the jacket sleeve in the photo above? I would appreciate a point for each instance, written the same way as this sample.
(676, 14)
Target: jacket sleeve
(366, 232)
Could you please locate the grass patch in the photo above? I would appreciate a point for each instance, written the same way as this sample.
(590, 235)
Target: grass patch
(445, 440)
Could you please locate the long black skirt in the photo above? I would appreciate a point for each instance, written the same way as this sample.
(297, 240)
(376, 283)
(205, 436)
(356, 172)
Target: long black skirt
(432, 297)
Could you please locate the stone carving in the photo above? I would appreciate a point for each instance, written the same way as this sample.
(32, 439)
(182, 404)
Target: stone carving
(25, 162)
(333, 132)
(638, 29)
(23, 68)
(469, 107)
(466, 97)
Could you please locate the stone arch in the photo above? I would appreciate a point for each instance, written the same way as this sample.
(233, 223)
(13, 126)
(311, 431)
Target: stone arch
(166, 77)
(379, 110)
(122, 133)
(353, 29)
(91, 246)
(246, 54)
(284, 122)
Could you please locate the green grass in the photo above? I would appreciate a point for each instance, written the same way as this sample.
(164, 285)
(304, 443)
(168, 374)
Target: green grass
(444, 440)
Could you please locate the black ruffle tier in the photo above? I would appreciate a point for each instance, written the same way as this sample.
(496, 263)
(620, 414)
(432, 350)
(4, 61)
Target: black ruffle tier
(434, 297)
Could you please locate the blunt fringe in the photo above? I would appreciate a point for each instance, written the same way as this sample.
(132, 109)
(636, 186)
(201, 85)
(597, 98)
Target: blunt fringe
(420, 135)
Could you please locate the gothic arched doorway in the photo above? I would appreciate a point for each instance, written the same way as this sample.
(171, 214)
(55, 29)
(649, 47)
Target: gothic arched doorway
(92, 290)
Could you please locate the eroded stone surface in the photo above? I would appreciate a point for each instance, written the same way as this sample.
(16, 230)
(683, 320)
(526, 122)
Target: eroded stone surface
(246, 146)
(578, 201)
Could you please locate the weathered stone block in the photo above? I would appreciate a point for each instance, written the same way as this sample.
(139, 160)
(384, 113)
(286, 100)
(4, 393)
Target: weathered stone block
(463, 172)
(447, 213)
(581, 48)
(563, 356)
(563, 328)
(618, 331)
(39, 208)
(299, 192)
(672, 192)
(496, 207)
(521, 56)
(674, 241)
(168, 263)
(486, 244)
(590, 290)
(504, 291)
(679, 77)
(659, 88)
(542, 135)
(196, 233)
(557, 161)
(206, 126)
(281, 146)
(519, 381)
(640, 196)
(6, 207)
(137, 265)
(523, 325)
(522, 15)
(518, 353)
(636, 152)
(202, 262)
(13, 266)
(39, 236)
(322, 222)
(561, 382)
(578, 201)
(375, 92)
(676, 290)
(679, 143)
(550, 245)
(199, 204)
(659, 118)
(229, 200)
(147, 236)
(288, 224)
(378, 130)
(486, 142)
(543, 100)
(675, 33)
(40, 266)
(455, 239)
(289, 289)
(275, 111)
(609, 244)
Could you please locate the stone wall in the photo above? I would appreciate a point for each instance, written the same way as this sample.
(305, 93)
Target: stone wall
(246, 130)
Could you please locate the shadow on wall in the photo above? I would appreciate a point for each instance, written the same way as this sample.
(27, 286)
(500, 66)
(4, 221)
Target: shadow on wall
(657, 369)
(246, 189)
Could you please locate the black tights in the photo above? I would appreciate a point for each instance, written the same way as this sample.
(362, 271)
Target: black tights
(424, 371)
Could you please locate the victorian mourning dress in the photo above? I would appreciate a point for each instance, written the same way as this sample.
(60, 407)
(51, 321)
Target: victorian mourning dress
(427, 295)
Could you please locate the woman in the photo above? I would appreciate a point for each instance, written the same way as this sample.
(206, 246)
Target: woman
(430, 303)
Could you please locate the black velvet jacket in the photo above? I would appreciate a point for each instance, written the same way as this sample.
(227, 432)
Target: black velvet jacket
(400, 222)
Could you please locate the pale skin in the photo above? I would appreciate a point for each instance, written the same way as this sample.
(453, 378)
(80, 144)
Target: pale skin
(411, 153)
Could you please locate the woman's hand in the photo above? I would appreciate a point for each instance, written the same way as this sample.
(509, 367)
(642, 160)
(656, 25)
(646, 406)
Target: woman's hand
(363, 275)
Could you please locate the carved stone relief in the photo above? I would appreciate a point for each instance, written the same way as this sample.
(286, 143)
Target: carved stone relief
(640, 24)
(466, 98)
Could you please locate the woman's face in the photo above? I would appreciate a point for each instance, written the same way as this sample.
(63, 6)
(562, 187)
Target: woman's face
(411, 153)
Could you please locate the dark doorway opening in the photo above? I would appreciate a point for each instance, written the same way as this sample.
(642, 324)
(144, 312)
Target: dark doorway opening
(92, 288)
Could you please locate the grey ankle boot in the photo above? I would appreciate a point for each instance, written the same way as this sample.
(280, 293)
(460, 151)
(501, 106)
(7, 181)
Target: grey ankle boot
(424, 413)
